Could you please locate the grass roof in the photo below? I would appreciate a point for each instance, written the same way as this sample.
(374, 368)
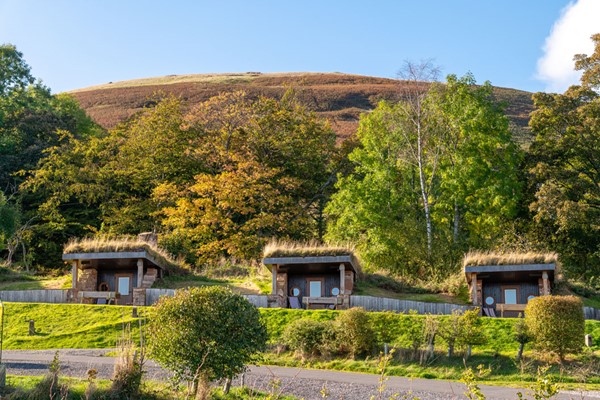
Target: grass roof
(475, 258)
(305, 249)
(124, 244)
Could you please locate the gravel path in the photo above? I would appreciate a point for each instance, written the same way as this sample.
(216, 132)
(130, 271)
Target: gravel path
(302, 383)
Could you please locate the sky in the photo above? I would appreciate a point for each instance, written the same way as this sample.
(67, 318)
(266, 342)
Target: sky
(527, 45)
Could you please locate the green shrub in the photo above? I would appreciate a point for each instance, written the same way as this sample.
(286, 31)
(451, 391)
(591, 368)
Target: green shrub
(556, 324)
(471, 331)
(355, 332)
(305, 335)
(205, 334)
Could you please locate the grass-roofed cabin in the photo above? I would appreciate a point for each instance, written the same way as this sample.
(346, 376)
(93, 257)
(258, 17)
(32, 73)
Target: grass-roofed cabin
(115, 271)
(502, 284)
(311, 277)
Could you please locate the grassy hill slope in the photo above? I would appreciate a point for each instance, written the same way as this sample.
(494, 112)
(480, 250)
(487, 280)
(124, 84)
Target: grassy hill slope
(340, 98)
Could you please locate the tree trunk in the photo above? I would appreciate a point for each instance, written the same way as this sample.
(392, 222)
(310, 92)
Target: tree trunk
(202, 389)
(450, 349)
(456, 222)
(227, 385)
(468, 352)
(424, 192)
(520, 352)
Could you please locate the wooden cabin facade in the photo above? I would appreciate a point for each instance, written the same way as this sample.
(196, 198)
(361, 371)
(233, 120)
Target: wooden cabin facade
(505, 290)
(313, 282)
(114, 274)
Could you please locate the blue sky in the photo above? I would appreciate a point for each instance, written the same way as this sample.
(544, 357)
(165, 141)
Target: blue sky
(77, 43)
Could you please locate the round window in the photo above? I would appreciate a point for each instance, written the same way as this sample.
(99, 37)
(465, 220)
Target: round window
(530, 297)
(295, 291)
(489, 300)
(335, 291)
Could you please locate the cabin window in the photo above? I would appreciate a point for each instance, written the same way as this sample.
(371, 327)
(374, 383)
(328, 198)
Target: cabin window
(295, 292)
(489, 301)
(335, 291)
(531, 296)
(315, 287)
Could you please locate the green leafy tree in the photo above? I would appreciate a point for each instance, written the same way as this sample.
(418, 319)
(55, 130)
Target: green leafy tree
(205, 334)
(438, 174)
(471, 331)
(268, 174)
(564, 167)
(521, 335)
(32, 121)
(9, 218)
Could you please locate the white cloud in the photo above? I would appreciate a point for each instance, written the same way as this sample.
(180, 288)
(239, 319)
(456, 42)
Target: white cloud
(570, 35)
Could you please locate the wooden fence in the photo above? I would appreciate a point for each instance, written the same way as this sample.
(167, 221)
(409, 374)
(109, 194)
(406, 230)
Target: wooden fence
(371, 303)
(152, 295)
(591, 313)
(259, 301)
(34, 296)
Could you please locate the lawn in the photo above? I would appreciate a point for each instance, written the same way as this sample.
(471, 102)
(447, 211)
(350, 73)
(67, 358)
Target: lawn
(95, 326)
(61, 326)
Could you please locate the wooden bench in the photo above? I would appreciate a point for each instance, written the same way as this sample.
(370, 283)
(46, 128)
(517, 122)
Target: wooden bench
(91, 295)
(326, 302)
(510, 307)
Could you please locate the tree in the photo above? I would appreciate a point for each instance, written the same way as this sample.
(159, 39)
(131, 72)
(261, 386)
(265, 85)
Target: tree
(565, 171)
(32, 121)
(15, 74)
(205, 334)
(9, 218)
(521, 335)
(432, 177)
(556, 324)
(419, 132)
(268, 171)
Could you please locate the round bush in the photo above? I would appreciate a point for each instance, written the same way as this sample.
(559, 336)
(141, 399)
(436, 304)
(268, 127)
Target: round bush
(204, 334)
(556, 324)
(305, 335)
(355, 331)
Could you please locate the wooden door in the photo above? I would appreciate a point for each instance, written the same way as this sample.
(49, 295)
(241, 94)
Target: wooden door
(124, 288)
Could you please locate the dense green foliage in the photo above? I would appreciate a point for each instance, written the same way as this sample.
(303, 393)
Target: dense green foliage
(355, 332)
(556, 324)
(455, 174)
(203, 334)
(32, 120)
(306, 335)
(564, 168)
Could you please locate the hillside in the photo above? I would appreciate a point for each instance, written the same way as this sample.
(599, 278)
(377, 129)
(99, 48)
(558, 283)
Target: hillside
(340, 98)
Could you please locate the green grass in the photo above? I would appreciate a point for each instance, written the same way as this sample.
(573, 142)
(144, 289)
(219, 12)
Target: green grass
(150, 390)
(16, 280)
(591, 301)
(65, 325)
(504, 370)
(241, 285)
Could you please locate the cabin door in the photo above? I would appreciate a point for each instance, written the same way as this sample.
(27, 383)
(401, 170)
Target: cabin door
(315, 287)
(124, 286)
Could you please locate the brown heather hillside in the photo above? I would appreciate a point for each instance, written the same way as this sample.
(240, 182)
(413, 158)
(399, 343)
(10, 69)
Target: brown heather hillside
(340, 98)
